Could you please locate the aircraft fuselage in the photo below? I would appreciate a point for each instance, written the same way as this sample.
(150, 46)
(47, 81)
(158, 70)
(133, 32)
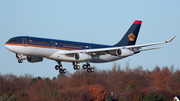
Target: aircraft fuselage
(48, 48)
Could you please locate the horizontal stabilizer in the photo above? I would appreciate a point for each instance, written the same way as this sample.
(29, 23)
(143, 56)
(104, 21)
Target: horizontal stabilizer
(148, 49)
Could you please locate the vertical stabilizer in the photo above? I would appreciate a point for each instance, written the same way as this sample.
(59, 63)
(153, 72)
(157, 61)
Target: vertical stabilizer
(131, 35)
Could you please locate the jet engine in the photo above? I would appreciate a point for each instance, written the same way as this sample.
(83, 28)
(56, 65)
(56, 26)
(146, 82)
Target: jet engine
(82, 56)
(34, 59)
(124, 52)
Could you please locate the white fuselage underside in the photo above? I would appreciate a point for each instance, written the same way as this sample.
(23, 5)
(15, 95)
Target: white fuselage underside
(54, 54)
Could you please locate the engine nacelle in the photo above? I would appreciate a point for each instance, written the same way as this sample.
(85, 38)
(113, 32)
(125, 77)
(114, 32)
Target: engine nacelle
(34, 59)
(21, 56)
(82, 56)
(124, 52)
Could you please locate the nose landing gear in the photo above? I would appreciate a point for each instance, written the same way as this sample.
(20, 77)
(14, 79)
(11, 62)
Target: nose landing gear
(20, 57)
(20, 61)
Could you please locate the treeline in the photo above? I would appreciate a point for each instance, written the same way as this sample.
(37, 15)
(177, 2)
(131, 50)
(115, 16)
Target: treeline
(160, 84)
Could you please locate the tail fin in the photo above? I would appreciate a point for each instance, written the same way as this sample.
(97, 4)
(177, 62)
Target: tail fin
(131, 35)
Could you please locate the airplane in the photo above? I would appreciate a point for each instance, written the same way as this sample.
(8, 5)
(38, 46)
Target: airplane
(34, 49)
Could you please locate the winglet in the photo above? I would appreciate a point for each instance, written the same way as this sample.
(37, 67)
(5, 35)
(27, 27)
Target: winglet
(170, 39)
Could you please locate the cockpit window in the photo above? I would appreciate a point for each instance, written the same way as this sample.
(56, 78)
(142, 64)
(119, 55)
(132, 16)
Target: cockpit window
(12, 40)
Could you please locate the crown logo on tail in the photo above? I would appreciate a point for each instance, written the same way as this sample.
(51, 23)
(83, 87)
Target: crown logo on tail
(131, 37)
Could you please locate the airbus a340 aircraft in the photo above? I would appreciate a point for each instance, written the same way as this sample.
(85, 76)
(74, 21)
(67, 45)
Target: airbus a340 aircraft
(34, 49)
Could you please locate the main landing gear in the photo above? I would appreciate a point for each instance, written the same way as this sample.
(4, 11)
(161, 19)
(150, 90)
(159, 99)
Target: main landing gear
(60, 68)
(88, 67)
(76, 66)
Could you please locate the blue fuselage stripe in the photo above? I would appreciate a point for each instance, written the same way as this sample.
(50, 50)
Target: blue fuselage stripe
(53, 43)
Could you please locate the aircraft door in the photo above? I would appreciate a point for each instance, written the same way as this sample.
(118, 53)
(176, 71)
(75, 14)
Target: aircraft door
(24, 42)
(53, 44)
(90, 47)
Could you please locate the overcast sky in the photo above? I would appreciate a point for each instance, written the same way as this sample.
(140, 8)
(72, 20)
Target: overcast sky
(97, 21)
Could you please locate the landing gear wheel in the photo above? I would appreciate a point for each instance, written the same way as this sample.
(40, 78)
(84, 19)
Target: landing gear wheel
(88, 66)
(84, 66)
(88, 70)
(64, 70)
(60, 71)
(56, 67)
(20, 61)
(74, 67)
(92, 70)
(77, 67)
(60, 67)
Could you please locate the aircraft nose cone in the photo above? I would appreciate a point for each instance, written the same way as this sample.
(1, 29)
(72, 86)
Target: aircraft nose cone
(8, 46)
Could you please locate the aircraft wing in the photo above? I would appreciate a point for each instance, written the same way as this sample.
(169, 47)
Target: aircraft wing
(151, 44)
(113, 49)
